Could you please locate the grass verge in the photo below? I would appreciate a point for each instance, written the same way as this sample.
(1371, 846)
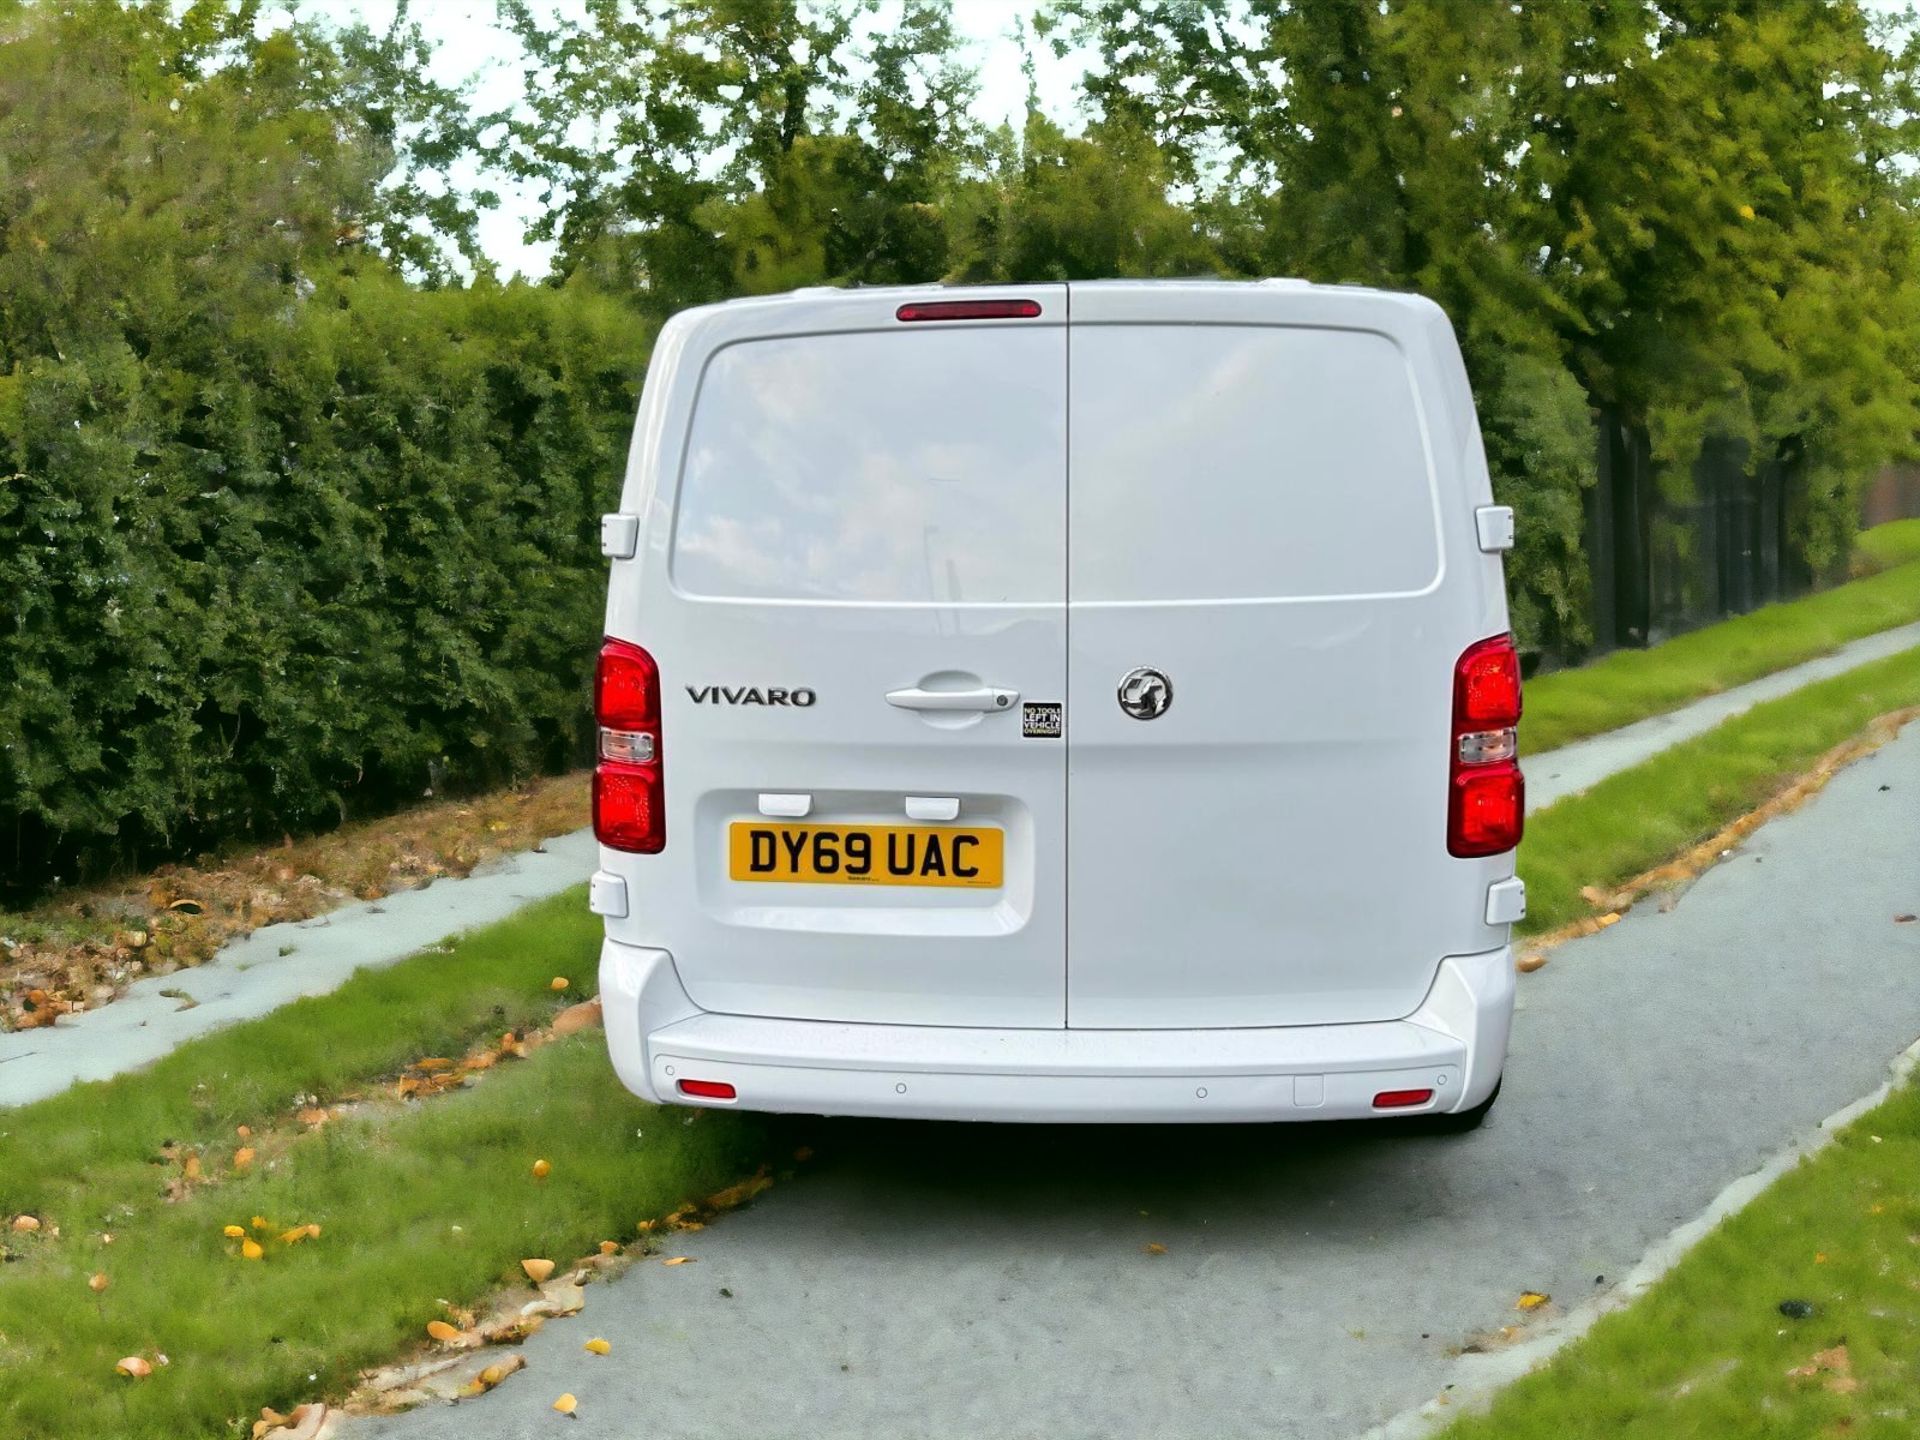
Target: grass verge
(1630, 685)
(417, 1204)
(1641, 817)
(1884, 546)
(1708, 1352)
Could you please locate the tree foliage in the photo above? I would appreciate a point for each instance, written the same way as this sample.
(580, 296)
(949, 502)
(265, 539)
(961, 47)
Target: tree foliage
(281, 533)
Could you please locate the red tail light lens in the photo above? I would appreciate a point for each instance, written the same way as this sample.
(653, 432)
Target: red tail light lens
(1486, 686)
(969, 310)
(707, 1089)
(1488, 809)
(626, 688)
(629, 803)
(1486, 806)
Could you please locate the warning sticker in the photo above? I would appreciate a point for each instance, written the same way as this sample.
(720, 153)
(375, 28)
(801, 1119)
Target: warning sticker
(1041, 719)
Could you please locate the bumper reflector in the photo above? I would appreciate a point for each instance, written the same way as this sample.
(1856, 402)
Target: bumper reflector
(720, 1089)
(1387, 1099)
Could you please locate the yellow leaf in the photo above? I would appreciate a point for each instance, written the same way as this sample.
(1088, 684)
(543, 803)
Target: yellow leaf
(1531, 1300)
(250, 1249)
(98, 1282)
(678, 1260)
(542, 1169)
(560, 982)
(644, 1226)
(597, 1346)
(442, 1331)
(609, 1247)
(313, 1231)
(537, 1270)
(243, 1157)
(294, 1236)
(1746, 212)
(234, 1232)
(245, 1132)
(25, 1223)
(134, 1368)
(1820, 1257)
(193, 1167)
(1154, 1247)
(259, 1222)
(566, 1404)
(433, 1062)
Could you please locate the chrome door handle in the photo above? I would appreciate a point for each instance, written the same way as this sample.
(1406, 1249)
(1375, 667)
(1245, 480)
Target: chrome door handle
(986, 698)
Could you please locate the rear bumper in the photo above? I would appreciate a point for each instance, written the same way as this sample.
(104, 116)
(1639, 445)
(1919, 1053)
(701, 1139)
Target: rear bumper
(1455, 1044)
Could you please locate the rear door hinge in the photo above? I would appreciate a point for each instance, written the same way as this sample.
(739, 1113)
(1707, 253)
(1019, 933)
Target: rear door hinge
(619, 536)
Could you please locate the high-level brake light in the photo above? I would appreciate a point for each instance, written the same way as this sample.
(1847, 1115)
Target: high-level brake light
(968, 310)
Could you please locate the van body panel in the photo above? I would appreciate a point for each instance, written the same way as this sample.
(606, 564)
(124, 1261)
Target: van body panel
(1269, 501)
(836, 506)
(1265, 491)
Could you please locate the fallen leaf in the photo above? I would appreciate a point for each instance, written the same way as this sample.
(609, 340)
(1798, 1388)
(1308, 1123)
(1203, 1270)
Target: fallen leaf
(243, 1157)
(26, 1223)
(259, 1222)
(1531, 1300)
(1529, 963)
(98, 1282)
(511, 1330)
(566, 1404)
(1612, 918)
(1154, 1247)
(644, 1226)
(609, 1247)
(678, 1260)
(443, 1332)
(134, 1368)
(245, 1132)
(597, 1346)
(584, 1016)
(559, 982)
(736, 1195)
(495, 1373)
(537, 1270)
(313, 1117)
(541, 1169)
(234, 1232)
(296, 1235)
(192, 1167)
(251, 1250)
(432, 1062)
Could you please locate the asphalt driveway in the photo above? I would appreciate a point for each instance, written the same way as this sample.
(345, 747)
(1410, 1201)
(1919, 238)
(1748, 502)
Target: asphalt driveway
(994, 1281)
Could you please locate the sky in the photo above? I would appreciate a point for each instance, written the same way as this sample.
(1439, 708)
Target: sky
(470, 46)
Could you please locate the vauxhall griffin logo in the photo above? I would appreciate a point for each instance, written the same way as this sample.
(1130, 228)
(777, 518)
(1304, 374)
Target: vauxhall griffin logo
(744, 695)
(1145, 694)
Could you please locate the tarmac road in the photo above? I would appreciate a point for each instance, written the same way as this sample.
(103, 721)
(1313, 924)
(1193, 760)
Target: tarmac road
(992, 1281)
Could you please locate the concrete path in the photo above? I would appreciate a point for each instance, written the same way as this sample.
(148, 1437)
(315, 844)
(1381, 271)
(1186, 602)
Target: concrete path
(1554, 774)
(991, 1281)
(251, 976)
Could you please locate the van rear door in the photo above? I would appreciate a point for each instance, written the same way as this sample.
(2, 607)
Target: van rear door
(1266, 487)
(852, 577)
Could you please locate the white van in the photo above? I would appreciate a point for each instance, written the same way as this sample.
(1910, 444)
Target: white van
(1060, 702)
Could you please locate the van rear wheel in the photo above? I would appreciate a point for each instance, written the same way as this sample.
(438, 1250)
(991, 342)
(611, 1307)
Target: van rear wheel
(1463, 1121)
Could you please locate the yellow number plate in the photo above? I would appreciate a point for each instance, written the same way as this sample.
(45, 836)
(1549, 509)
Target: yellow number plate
(865, 854)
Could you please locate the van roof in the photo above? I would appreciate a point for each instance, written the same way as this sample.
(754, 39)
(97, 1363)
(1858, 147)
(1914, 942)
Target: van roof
(1341, 294)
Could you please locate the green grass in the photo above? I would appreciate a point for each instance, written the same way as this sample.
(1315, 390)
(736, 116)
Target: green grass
(1884, 546)
(1641, 817)
(1630, 685)
(433, 1201)
(1706, 1352)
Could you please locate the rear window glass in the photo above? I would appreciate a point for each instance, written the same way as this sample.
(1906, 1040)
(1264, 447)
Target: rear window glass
(1227, 462)
(907, 467)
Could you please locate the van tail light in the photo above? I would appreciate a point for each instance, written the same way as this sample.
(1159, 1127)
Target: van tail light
(629, 806)
(969, 310)
(1487, 800)
(707, 1089)
(1401, 1099)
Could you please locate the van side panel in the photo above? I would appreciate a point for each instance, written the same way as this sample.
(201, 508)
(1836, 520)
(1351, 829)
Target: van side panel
(1270, 496)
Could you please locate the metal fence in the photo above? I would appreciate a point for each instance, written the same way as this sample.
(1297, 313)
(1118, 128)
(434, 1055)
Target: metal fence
(1661, 565)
